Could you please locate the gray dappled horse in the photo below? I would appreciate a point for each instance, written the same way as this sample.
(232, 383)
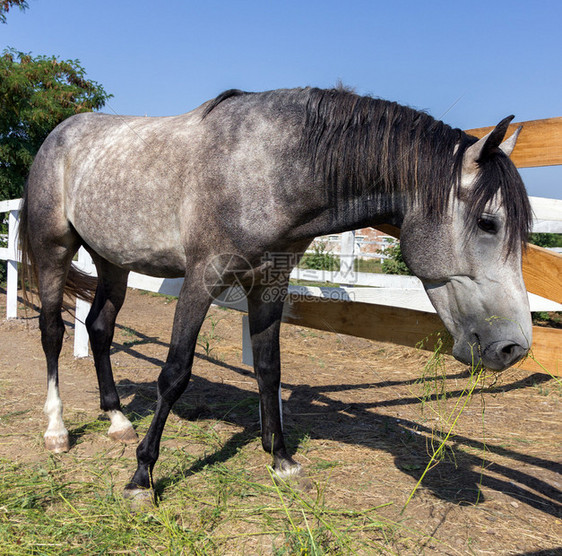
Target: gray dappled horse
(210, 193)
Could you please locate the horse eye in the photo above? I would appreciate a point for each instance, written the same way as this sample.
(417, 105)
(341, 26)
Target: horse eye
(488, 225)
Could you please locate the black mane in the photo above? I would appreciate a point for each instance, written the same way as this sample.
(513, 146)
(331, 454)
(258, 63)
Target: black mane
(363, 146)
(222, 97)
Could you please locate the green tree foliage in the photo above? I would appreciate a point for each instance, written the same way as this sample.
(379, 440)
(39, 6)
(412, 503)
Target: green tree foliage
(5, 6)
(320, 259)
(36, 94)
(546, 240)
(394, 263)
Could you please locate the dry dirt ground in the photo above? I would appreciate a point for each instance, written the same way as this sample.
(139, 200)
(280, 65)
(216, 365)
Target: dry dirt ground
(351, 404)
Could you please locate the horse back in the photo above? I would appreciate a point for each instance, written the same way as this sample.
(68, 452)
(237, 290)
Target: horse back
(143, 191)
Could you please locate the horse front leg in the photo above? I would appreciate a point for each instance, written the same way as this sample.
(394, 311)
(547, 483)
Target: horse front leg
(264, 315)
(193, 303)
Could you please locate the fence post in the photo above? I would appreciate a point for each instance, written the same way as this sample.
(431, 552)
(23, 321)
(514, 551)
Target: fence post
(347, 257)
(82, 310)
(247, 354)
(12, 263)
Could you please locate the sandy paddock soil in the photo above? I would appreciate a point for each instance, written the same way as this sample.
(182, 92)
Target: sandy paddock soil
(352, 405)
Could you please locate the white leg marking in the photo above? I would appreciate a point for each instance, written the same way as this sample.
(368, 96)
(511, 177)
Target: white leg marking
(56, 436)
(121, 428)
(289, 473)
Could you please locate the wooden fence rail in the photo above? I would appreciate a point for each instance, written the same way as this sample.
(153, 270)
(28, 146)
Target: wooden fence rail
(538, 144)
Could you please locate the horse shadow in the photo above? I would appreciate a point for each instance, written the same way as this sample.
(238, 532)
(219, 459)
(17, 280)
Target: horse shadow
(457, 480)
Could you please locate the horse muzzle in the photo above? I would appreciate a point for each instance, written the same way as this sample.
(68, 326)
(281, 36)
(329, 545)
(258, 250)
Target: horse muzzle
(499, 356)
(496, 356)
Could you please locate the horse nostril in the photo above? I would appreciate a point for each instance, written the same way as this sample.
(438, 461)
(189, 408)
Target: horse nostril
(510, 353)
(508, 349)
(501, 355)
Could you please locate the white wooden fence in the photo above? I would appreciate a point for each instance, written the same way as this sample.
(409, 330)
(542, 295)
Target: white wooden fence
(405, 292)
(11, 256)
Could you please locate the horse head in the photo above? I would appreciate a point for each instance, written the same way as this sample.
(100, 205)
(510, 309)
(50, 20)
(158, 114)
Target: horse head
(469, 258)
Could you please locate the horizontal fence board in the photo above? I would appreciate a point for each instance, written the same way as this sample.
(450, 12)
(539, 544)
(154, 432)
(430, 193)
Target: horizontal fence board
(10, 254)
(165, 286)
(546, 209)
(407, 328)
(539, 143)
(376, 322)
(547, 350)
(357, 278)
(542, 272)
(547, 227)
(10, 204)
(403, 298)
(415, 299)
(538, 303)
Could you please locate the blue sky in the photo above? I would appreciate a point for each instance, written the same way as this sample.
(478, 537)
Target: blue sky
(468, 63)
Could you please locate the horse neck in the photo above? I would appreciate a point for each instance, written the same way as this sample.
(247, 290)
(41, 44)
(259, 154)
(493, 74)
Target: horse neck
(369, 210)
(341, 213)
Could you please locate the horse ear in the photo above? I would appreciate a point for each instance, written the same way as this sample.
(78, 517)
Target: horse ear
(483, 148)
(509, 144)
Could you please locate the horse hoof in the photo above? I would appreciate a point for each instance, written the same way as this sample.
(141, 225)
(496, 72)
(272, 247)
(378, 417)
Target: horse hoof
(57, 443)
(139, 498)
(126, 435)
(292, 476)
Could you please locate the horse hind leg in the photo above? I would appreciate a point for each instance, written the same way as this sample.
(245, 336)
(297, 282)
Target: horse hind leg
(52, 332)
(51, 273)
(110, 294)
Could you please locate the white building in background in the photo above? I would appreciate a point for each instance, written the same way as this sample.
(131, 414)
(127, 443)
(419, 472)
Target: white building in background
(368, 243)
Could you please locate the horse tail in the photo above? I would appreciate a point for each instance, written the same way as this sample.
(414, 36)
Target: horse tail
(78, 284)
(28, 269)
